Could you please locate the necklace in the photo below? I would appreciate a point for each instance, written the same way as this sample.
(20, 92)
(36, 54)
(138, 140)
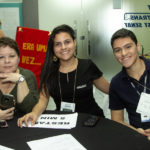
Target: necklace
(68, 69)
(67, 77)
(74, 86)
(144, 86)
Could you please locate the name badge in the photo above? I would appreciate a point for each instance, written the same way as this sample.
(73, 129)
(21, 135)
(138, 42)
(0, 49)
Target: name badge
(145, 118)
(144, 104)
(68, 107)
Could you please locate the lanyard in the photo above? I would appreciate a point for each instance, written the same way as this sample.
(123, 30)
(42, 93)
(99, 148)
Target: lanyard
(141, 85)
(74, 88)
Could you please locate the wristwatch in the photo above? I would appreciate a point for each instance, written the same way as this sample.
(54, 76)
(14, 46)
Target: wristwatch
(21, 79)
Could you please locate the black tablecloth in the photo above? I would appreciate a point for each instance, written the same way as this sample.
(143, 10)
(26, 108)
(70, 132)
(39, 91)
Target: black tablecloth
(106, 135)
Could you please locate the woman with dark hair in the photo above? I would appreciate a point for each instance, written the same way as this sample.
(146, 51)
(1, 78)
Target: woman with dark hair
(68, 79)
(15, 82)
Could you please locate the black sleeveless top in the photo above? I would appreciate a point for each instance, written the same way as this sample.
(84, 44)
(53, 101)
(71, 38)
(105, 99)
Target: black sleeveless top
(87, 72)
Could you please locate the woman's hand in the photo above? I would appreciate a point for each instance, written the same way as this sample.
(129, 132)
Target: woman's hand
(27, 118)
(7, 114)
(10, 77)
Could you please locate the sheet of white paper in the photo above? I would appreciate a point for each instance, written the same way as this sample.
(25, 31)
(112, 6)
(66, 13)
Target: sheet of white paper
(5, 148)
(56, 121)
(60, 142)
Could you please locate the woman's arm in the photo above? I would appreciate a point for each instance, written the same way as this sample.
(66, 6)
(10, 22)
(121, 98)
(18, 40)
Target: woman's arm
(22, 91)
(38, 109)
(27, 93)
(102, 84)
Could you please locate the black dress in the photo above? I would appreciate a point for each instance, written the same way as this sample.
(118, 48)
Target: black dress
(87, 72)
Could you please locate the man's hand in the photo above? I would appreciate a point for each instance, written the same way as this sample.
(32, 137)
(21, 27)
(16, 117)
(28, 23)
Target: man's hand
(144, 132)
(147, 132)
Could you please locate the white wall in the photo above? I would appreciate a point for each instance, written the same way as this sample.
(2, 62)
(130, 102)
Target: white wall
(56, 12)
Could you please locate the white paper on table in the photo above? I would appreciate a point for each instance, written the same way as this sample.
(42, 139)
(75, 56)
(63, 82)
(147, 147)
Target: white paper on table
(56, 121)
(60, 142)
(5, 148)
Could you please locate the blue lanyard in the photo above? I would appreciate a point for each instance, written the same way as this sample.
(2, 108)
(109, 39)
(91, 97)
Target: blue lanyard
(143, 86)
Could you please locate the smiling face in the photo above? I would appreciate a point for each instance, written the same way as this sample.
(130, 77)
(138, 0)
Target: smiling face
(126, 51)
(64, 46)
(8, 60)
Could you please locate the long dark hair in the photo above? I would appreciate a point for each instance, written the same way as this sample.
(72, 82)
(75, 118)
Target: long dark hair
(49, 73)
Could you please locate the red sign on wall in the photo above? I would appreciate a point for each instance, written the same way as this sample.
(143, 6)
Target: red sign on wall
(33, 47)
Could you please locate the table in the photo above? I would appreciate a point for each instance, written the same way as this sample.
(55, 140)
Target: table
(106, 135)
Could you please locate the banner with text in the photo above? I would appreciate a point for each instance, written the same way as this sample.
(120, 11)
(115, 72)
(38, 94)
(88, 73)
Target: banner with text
(33, 46)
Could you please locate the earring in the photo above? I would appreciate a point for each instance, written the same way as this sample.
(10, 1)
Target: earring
(75, 54)
(55, 58)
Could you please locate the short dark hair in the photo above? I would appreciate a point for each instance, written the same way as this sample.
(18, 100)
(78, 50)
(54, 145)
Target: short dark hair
(121, 33)
(6, 41)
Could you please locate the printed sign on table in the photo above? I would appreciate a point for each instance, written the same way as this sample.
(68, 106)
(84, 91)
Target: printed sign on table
(55, 121)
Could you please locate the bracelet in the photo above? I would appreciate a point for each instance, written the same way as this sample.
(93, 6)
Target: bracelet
(21, 79)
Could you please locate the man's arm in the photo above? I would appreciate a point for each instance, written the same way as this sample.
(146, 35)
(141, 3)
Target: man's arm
(118, 116)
